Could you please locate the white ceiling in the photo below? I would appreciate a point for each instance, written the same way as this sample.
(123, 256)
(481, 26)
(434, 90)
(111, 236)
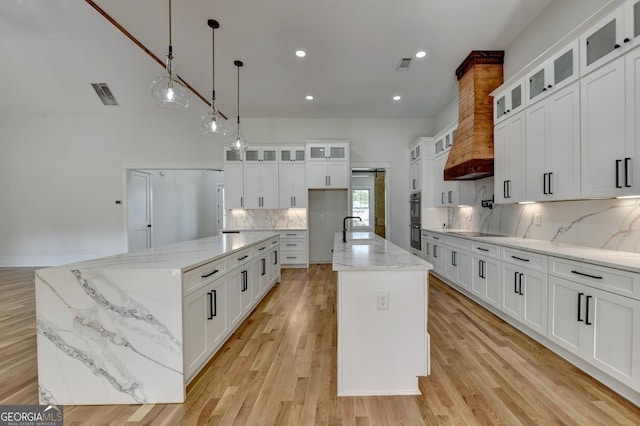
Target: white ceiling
(52, 49)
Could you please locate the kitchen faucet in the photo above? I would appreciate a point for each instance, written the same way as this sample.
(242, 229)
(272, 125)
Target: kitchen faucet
(344, 226)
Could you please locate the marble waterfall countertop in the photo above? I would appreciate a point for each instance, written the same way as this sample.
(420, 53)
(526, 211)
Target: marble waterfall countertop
(185, 255)
(611, 258)
(367, 251)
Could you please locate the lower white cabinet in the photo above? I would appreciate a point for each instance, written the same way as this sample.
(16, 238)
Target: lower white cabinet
(293, 247)
(458, 266)
(437, 253)
(598, 326)
(205, 324)
(524, 296)
(485, 273)
(239, 294)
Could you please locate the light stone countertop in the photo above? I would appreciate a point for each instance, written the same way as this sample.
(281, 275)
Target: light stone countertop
(611, 258)
(367, 251)
(184, 256)
(261, 229)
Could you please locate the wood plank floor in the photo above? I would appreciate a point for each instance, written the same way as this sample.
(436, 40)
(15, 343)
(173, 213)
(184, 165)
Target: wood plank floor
(280, 368)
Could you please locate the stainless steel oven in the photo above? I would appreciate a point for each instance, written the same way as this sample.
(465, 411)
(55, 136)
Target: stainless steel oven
(414, 209)
(416, 240)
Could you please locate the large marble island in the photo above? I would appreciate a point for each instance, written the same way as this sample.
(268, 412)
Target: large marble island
(383, 343)
(137, 327)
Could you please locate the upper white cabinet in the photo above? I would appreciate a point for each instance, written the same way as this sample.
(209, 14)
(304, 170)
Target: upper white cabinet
(558, 71)
(261, 154)
(613, 35)
(233, 185)
(292, 186)
(291, 154)
(415, 152)
(415, 167)
(327, 165)
(509, 159)
(553, 146)
(508, 101)
(261, 185)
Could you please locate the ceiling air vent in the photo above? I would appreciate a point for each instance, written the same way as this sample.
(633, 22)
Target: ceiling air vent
(403, 65)
(104, 93)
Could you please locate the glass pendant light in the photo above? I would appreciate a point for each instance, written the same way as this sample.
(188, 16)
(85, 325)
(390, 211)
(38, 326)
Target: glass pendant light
(238, 142)
(213, 121)
(167, 91)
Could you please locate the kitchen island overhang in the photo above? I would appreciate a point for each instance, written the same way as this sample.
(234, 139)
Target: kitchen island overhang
(383, 343)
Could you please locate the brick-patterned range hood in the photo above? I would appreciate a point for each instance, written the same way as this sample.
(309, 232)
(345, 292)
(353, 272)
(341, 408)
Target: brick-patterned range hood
(471, 155)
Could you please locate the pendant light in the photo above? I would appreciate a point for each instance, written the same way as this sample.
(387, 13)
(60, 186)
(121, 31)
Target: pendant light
(167, 91)
(213, 121)
(238, 142)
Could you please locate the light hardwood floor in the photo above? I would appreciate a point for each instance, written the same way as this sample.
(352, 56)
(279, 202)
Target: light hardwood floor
(280, 368)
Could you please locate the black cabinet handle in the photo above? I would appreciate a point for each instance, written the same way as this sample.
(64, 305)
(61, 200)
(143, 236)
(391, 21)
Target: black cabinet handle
(436, 238)
(442, 197)
(515, 282)
(580, 306)
(627, 162)
(544, 184)
(549, 86)
(587, 315)
(262, 248)
(586, 275)
(520, 285)
(264, 266)
(291, 245)
(484, 269)
(428, 249)
(245, 284)
(215, 271)
(435, 251)
(504, 188)
(618, 162)
(627, 40)
(549, 183)
(544, 89)
(275, 260)
(291, 235)
(453, 258)
(616, 46)
(482, 249)
(213, 308)
(509, 188)
(243, 257)
(520, 258)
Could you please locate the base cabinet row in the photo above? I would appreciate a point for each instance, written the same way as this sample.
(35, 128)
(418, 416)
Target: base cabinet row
(591, 311)
(213, 311)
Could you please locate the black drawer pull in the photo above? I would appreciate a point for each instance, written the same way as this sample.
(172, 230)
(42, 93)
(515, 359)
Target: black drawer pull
(520, 258)
(215, 271)
(261, 248)
(291, 235)
(291, 245)
(515, 282)
(243, 257)
(291, 257)
(586, 275)
(482, 249)
(520, 284)
(587, 316)
(436, 238)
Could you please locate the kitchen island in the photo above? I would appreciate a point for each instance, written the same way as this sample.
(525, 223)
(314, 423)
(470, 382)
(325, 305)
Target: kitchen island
(383, 343)
(137, 327)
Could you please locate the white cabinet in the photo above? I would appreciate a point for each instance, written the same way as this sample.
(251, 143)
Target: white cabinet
(205, 324)
(630, 163)
(292, 185)
(239, 294)
(291, 154)
(509, 162)
(437, 254)
(556, 72)
(327, 165)
(605, 168)
(450, 193)
(614, 34)
(553, 146)
(598, 326)
(524, 287)
(293, 247)
(259, 154)
(233, 185)
(261, 185)
(508, 101)
(415, 176)
(458, 266)
(485, 272)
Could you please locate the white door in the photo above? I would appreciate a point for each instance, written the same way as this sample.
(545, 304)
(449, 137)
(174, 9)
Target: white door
(138, 210)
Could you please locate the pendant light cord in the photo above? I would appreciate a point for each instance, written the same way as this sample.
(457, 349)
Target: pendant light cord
(238, 66)
(170, 39)
(213, 66)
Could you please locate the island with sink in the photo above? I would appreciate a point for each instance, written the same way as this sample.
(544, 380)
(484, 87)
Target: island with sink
(383, 343)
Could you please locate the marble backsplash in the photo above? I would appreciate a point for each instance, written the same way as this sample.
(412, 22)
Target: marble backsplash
(266, 219)
(608, 224)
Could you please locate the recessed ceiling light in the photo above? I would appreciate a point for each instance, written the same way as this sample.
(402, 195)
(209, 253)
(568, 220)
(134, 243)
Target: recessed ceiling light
(309, 97)
(397, 98)
(421, 54)
(301, 53)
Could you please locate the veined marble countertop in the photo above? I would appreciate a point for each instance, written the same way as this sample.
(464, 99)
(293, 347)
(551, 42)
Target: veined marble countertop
(367, 251)
(612, 258)
(183, 256)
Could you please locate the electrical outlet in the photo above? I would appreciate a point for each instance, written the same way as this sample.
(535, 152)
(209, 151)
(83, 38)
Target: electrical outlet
(383, 300)
(537, 219)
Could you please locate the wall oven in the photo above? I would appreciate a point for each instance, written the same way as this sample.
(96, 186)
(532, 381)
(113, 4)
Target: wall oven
(414, 221)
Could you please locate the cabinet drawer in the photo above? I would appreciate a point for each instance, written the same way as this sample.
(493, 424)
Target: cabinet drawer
(457, 242)
(293, 258)
(616, 281)
(527, 259)
(485, 249)
(240, 257)
(293, 245)
(195, 278)
(293, 234)
(436, 238)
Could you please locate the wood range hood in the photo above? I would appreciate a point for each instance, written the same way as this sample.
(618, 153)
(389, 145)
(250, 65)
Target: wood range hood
(471, 154)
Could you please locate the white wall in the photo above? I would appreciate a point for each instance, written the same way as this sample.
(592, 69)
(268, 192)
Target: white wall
(61, 175)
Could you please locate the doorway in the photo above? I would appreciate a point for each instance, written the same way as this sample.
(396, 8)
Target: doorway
(368, 200)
